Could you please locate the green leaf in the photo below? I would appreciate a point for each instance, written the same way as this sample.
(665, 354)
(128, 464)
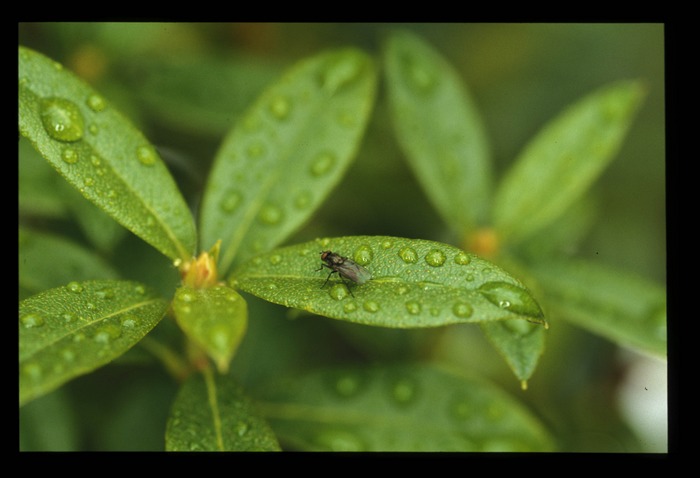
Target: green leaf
(215, 318)
(101, 154)
(415, 283)
(397, 408)
(520, 343)
(286, 154)
(211, 413)
(619, 306)
(439, 129)
(47, 260)
(71, 330)
(564, 159)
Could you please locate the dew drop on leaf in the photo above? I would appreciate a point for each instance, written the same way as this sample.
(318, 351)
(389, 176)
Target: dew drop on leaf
(32, 320)
(510, 297)
(408, 255)
(338, 291)
(363, 255)
(462, 258)
(370, 306)
(62, 119)
(413, 307)
(435, 258)
(322, 164)
(75, 287)
(230, 201)
(404, 391)
(462, 310)
(270, 214)
(96, 103)
(280, 107)
(146, 155)
(69, 156)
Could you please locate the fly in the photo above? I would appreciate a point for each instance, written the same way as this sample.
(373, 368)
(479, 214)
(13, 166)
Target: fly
(346, 269)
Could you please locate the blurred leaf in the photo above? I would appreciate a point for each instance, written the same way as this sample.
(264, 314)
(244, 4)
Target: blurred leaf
(102, 155)
(397, 408)
(70, 331)
(49, 423)
(564, 159)
(415, 283)
(520, 343)
(47, 260)
(439, 129)
(289, 150)
(211, 413)
(619, 306)
(39, 187)
(102, 231)
(215, 318)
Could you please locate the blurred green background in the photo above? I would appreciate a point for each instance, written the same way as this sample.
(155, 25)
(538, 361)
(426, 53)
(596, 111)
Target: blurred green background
(186, 84)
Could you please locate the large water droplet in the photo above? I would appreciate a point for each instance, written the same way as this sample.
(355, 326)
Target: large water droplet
(462, 310)
(146, 155)
(408, 255)
(62, 119)
(462, 258)
(280, 107)
(511, 297)
(338, 291)
(270, 214)
(230, 201)
(435, 258)
(322, 164)
(363, 255)
(32, 320)
(74, 287)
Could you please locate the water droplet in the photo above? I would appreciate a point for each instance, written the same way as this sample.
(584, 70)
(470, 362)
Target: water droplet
(404, 391)
(363, 255)
(519, 327)
(386, 244)
(302, 200)
(280, 107)
(105, 294)
(338, 291)
(78, 337)
(255, 150)
(435, 258)
(420, 76)
(70, 156)
(94, 129)
(32, 370)
(370, 306)
(230, 201)
(275, 259)
(96, 103)
(184, 296)
(68, 355)
(340, 71)
(146, 155)
(62, 119)
(349, 307)
(139, 289)
(462, 258)
(322, 164)
(408, 255)
(32, 320)
(68, 317)
(413, 307)
(242, 428)
(74, 287)
(107, 333)
(511, 297)
(462, 309)
(128, 322)
(270, 214)
(347, 385)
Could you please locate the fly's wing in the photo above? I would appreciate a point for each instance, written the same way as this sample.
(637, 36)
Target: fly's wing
(354, 272)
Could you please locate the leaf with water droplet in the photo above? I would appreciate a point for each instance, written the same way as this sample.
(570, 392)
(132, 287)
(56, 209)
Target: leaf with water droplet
(215, 318)
(625, 308)
(562, 161)
(439, 129)
(414, 283)
(81, 330)
(115, 168)
(288, 151)
(397, 408)
(47, 260)
(520, 343)
(211, 413)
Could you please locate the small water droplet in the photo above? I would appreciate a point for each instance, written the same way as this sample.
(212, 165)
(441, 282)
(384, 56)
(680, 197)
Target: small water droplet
(404, 391)
(280, 107)
(128, 322)
(32, 370)
(275, 259)
(62, 119)
(347, 385)
(94, 129)
(511, 297)
(78, 337)
(68, 355)
(340, 71)
(32, 320)
(139, 289)
(74, 287)
(462, 309)
(105, 294)
(349, 307)
(322, 164)
(68, 317)
(420, 76)
(255, 150)
(186, 297)
(370, 306)
(435, 258)
(70, 156)
(302, 200)
(146, 155)
(462, 258)
(387, 244)
(230, 201)
(413, 307)
(338, 291)
(242, 428)
(270, 214)
(363, 255)
(408, 255)
(96, 103)
(107, 333)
